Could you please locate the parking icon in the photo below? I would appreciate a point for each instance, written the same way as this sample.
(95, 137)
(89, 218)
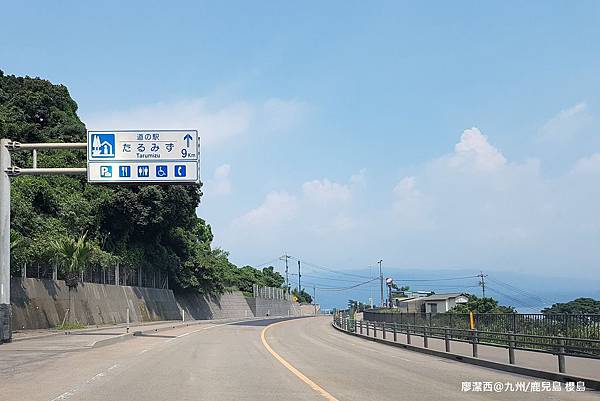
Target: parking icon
(106, 171)
(180, 171)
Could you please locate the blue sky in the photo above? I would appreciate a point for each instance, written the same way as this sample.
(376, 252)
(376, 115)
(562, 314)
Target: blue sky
(448, 135)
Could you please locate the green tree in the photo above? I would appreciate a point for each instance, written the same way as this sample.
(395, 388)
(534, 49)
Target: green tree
(576, 306)
(271, 278)
(72, 257)
(482, 305)
(140, 226)
(302, 297)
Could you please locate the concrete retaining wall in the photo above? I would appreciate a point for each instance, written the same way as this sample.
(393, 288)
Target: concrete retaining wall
(272, 307)
(39, 303)
(226, 306)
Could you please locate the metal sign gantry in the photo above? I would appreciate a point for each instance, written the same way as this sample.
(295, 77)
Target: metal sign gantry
(172, 157)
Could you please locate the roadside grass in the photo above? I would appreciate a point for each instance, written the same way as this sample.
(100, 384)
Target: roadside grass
(70, 326)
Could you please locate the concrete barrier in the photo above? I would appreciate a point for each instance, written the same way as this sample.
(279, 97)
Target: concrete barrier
(42, 303)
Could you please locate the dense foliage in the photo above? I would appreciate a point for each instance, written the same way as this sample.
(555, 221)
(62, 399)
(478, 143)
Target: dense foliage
(578, 306)
(302, 297)
(148, 227)
(482, 305)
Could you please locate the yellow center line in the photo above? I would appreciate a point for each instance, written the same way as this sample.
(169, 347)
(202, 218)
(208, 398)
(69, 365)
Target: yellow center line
(292, 369)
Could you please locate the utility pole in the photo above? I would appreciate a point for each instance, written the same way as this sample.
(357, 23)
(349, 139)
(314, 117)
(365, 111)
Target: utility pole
(482, 282)
(299, 275)
(287, 281)
(315, 299)
(381, 282)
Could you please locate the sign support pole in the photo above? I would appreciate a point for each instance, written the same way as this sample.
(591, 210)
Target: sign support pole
(5, 309)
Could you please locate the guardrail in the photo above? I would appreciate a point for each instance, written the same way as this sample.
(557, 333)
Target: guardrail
(559, 346)
(551, 324)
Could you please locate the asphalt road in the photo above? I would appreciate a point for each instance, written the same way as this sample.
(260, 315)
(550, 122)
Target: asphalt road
(301, 359)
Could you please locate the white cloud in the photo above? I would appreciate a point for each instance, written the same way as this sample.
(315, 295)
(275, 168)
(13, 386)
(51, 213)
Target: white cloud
(319, 208)
(588, 165)
(410, 207)
(325, 192)
(277, 209)
(215, 124)
(567, 124)
(472, 208)
(221, 181)
(474, 150)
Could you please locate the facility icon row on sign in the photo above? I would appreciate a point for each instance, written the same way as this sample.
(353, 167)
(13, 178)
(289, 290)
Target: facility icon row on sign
(143, 171)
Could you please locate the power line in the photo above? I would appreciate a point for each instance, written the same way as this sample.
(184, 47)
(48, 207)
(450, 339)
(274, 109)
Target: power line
(325, 278)
(346, 288)
(330, 269)
(269, 262)
(515, 299)
(437, 279)
(520, 291)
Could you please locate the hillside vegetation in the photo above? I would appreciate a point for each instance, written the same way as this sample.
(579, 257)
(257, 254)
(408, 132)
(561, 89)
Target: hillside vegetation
(148, 227)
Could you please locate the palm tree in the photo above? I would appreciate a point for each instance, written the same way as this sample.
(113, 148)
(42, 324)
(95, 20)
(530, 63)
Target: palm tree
(72, 257)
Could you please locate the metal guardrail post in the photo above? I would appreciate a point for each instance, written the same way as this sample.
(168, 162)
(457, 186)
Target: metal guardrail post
(407, 334)
(425, 339)
(561, 355)
(511, 348)
(395, 333)
(447, 339)
(360, 325)
(368, 323)
(474, 341)
(375, 330)
(383, 329)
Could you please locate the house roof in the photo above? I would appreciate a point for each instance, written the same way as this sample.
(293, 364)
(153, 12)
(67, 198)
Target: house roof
(443, 297)
(411, 299)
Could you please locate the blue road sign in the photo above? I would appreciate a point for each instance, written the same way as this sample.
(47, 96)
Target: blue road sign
(106, 171)
(103, 146)
(143, 156)
(124, 171)
(161, 171)
(180, 170)
(143, 171)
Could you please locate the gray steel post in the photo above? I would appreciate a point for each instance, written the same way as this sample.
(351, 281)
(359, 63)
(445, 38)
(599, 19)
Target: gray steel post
(425, 339)
(375, 329)
(407, 334)
(368, 328)
(383, 329)
(511, 348)
(5, 310)
(474, 340)
(395, 333)
(561, 355)
(447, 339)
(361, 327)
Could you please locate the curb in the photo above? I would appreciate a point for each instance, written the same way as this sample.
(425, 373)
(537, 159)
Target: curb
(138, 333)
(543, 374)
(88, 329)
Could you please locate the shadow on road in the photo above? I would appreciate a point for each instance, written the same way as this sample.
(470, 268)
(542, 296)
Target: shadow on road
(262, 323)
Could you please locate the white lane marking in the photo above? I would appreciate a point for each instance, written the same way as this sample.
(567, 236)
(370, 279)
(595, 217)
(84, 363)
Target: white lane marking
(66, 395)
(143, 351)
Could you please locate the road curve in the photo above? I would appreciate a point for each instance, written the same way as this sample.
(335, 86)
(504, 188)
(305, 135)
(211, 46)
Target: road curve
(301, 359)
